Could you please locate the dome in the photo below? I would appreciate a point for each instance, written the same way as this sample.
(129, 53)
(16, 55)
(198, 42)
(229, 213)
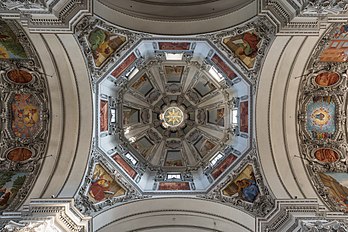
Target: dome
(171, 112)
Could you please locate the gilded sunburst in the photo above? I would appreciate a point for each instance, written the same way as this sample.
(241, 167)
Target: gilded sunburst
(173, 116)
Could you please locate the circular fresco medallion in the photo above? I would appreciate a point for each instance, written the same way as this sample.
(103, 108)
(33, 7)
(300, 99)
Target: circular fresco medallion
(19, 154)
(326, 155)
(19, 76)
(327, 79)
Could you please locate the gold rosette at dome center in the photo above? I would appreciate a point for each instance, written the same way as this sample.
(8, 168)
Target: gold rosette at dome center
(173, 116)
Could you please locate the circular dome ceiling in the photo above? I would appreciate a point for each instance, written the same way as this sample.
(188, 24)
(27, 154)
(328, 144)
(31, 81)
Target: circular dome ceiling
(175, 10)
(173, 115)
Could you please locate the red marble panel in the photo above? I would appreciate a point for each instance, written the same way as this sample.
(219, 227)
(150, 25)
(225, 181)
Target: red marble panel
(174, 45)
(103, 115)
(224, 67)
(223, 166)
(124, 65)
(125, 166)
(174, 186)
(244, 117)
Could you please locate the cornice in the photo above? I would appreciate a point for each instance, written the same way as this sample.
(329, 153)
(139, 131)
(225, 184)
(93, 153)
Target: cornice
(47, 17)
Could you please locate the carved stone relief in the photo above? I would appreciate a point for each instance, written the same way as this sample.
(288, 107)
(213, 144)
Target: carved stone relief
(323, 7)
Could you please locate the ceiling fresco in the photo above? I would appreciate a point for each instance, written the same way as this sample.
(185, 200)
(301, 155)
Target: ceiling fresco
(24, 117)
(322, 118)
(173, 116)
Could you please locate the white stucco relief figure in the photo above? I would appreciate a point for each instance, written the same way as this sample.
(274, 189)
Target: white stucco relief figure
(23, 5)
(323, 225)
(326, 7)
(42, 226)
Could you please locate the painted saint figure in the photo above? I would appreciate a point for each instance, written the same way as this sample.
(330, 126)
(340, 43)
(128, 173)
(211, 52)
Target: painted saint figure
(248, 189)
(245, 46)
(4, 196)
(99, 187)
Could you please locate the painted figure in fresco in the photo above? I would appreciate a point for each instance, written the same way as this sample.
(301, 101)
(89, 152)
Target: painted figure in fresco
(99, 187)
(220, 119)
(326, 155)
(207, 147)
(343, 29)
(320, 116)
(139, 82)
(327, 78)
(250, 46)
(4, 196)
(103, 44)
(248, 189)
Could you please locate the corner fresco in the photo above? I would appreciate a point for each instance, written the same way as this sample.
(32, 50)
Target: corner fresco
(103, 186)
(244, 46)
(104, 44)
(244, 186)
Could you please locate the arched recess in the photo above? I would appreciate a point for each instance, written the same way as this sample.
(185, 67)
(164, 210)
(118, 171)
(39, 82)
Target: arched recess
(70, 115)
(231, 17)
(173, 214)
(277, 117)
